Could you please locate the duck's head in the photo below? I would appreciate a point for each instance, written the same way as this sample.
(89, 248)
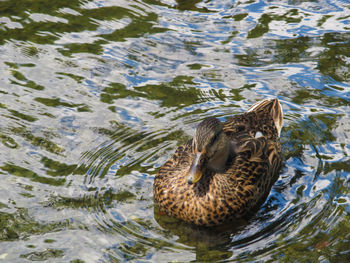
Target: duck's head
(211, 148)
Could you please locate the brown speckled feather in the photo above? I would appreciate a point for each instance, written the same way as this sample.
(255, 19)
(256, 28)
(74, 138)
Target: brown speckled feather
(244, 185)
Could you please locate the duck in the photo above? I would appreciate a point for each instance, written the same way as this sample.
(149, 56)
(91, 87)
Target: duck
(226, 171)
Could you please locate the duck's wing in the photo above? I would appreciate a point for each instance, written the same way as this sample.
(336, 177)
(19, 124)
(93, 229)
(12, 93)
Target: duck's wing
(254, 169)
(263, 151)
(269, 108)
(265, 117)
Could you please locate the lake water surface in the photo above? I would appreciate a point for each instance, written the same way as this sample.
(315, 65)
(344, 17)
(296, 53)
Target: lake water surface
(96, 95)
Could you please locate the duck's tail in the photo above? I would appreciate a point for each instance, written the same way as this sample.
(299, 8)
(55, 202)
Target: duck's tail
(273, 107)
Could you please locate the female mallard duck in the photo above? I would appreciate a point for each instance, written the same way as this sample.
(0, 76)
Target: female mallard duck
(226, 170)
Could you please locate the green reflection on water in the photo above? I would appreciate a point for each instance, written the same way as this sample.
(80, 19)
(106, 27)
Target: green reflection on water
(179, 92)
(331, 57)
(23, 172)
(21, 80)
(20, 225)
(77, 78)
(70, 49)
(56, 168)
(323, 245)
(137, 28)
(96, 201)
(189, 5)
(333, 61)
(41, 142)
(8, 141)
(263, 22)
(55, 102)
(43, 255)
(23, 116)
(47, 29)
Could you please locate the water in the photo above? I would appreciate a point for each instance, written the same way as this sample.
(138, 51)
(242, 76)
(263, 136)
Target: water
(96, 95)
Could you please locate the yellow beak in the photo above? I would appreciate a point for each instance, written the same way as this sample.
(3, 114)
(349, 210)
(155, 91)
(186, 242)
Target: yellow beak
(195, 173)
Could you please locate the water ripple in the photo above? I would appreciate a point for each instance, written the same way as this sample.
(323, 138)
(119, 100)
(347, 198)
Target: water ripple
(96, 96)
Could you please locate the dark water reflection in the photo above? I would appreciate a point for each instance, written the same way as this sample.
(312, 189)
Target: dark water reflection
(96, 95)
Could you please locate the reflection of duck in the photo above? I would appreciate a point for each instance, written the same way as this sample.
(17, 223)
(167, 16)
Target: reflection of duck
(210, 244)
(226, 170)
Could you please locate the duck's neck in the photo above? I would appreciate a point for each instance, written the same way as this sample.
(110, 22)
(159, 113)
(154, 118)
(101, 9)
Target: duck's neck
(218, 162)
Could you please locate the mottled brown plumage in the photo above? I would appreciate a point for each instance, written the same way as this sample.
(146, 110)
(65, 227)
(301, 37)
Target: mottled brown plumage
(226, 170)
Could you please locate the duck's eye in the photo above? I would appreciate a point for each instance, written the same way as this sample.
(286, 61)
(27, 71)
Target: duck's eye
(240, 128)
(215, 137)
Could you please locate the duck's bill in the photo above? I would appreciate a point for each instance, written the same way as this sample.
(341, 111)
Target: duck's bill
(195, 173)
